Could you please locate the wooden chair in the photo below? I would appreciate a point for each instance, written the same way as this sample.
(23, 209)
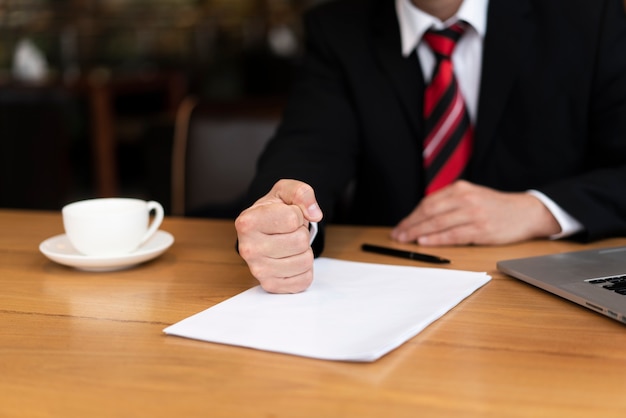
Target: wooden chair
(216, 146)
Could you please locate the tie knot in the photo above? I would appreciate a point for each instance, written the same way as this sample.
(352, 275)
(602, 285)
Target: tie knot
(443, 41)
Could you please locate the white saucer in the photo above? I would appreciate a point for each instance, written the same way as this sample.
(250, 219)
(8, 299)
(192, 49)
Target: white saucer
(60, 250)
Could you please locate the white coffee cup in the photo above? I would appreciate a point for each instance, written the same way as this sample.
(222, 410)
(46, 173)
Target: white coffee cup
(110, 226)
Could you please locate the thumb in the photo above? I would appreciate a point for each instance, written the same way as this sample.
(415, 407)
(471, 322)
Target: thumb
(300, 194)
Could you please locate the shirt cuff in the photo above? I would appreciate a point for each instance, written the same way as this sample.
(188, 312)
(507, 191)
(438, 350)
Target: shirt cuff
(312, 231)
(569, 225)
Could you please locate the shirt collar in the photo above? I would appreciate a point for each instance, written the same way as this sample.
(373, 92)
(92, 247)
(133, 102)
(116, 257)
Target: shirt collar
(414, 22)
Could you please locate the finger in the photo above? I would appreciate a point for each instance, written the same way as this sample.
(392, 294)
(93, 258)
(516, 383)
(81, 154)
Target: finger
(435, 212)
(294, 192)
(294, 284)
(460, 235)
(442, 224)
(427, 218)
(429, 206)
(296, 273)
(269, 219)
(284, 245)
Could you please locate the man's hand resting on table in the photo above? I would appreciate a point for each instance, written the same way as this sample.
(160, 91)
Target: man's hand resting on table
(465, 213)
(274, 237)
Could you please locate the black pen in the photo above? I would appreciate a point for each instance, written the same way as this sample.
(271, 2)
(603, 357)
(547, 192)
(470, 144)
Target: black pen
(404, 254)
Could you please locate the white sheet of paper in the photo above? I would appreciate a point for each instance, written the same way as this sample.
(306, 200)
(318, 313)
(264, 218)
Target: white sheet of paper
(353, 311)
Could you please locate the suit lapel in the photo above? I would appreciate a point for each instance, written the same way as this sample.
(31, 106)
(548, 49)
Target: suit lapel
(404, 74)
(507, 41)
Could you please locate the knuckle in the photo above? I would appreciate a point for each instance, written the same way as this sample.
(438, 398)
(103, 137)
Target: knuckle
(427, 209)
(246, 251)
(244, 222)
(462, 185)
(302, 240)
(259, 272)
(302, 190)
(469, 201)
(292, 219)
(280, 185)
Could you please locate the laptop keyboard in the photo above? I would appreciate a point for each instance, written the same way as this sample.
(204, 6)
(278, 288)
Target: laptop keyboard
(616, 284)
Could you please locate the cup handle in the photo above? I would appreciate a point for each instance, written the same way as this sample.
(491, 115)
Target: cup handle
(156, 222)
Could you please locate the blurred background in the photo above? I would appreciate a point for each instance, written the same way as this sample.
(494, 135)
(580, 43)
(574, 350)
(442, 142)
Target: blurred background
(89, 88)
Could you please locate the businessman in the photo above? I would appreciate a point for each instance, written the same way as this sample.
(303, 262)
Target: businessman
(457, 122)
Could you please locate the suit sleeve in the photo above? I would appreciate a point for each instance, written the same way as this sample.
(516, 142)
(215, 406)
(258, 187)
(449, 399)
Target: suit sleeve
(597, 198)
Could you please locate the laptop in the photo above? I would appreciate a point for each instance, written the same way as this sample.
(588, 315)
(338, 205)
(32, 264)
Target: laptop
(595, 279)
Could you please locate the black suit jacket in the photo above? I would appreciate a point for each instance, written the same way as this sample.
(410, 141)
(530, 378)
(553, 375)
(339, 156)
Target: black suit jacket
(551, 114)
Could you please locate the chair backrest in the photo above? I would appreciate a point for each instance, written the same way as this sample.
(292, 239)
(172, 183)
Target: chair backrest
(216, 147)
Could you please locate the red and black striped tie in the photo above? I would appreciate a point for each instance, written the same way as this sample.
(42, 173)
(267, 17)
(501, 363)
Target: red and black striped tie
(448, 130)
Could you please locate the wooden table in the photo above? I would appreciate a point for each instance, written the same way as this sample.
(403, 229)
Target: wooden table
(78, 344)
